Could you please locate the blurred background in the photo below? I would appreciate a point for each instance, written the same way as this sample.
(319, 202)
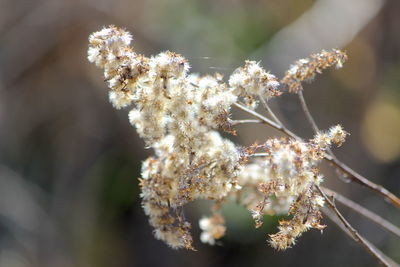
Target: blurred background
(69, 162)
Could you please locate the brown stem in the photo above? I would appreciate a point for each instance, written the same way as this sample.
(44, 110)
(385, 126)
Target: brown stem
(328, 213)
(307, 112)
(314, 125)
(354, 234)
(265, 120)
(359, 179)
(270, 112)
(364, 212)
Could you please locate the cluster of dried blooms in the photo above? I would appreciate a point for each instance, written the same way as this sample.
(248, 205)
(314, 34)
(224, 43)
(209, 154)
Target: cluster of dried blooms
(306, 68)
(289, 171)
(178, 115)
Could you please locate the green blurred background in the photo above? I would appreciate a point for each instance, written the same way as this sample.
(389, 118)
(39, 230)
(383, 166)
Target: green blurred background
(69, 162)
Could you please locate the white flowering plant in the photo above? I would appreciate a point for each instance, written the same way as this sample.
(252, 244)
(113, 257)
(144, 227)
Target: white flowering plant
(179, 115)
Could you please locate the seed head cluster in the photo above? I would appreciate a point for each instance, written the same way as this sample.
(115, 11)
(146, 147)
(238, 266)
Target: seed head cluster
(305, 69)
(179, 114)
(252, 80)
(288, 174)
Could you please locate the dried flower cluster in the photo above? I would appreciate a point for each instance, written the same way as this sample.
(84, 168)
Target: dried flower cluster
(178, 115)
(306, 68)
(252, 80)
(285, 179)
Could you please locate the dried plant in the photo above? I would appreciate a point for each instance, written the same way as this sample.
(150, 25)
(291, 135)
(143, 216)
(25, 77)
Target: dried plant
(178, 115)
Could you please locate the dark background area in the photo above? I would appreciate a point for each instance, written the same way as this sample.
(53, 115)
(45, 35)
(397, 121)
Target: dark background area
(69, 162)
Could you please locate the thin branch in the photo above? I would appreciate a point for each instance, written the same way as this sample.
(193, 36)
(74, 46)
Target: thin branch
(236, 122)
(352, 175)
(334, 219)
(354, 234)
(270, 112)
(364, 212)
(315, 127)
(307, 112)
(359, 179)
(265, 120)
